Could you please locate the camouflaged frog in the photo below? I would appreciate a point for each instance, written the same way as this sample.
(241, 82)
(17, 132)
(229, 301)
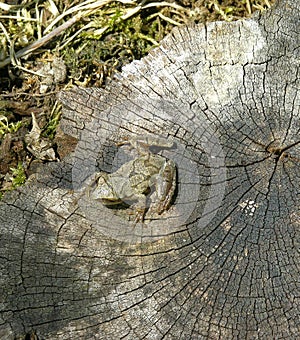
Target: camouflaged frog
(148, 174)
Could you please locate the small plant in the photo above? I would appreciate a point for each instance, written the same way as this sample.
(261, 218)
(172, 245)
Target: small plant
(13, 179)
(6, 127)
(18, 176)
(53, 121)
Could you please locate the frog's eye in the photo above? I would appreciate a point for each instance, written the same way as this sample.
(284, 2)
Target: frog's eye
(101, 181)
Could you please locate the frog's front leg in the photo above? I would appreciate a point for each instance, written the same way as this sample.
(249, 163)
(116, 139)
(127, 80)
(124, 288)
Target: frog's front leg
(142, 143)
(139, 208)
(164, 188)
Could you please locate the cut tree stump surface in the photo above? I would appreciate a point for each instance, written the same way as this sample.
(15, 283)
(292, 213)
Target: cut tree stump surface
(223, 261)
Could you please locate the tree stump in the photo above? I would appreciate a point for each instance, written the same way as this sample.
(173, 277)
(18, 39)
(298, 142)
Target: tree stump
(223, 261)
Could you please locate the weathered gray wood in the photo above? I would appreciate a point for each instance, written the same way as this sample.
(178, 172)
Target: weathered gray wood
(227, 265)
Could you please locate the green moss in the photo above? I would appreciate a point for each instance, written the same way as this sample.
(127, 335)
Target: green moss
(113, 42)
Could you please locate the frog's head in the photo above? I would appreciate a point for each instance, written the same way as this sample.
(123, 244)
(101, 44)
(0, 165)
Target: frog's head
(104, 192)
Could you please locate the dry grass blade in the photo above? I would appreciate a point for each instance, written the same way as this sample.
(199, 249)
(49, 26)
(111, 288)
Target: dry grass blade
(171, 21)
(32, 47)
(85, 6)
(15, 17)
(248, 6)
(164, 4)
(87, 26)
(73, 10)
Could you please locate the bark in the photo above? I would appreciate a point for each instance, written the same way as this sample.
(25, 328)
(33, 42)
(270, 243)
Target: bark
(223, 262)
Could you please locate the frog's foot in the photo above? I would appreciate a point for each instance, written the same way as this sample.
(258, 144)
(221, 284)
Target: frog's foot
(125, 141)
(139, 215)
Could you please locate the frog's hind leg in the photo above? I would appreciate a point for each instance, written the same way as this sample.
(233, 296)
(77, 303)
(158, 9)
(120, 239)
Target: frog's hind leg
(164, 188)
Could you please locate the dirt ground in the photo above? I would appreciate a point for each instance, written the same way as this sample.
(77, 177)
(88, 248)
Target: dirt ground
(50, 46)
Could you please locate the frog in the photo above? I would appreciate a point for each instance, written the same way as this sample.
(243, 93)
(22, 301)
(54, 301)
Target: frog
(149, 175)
